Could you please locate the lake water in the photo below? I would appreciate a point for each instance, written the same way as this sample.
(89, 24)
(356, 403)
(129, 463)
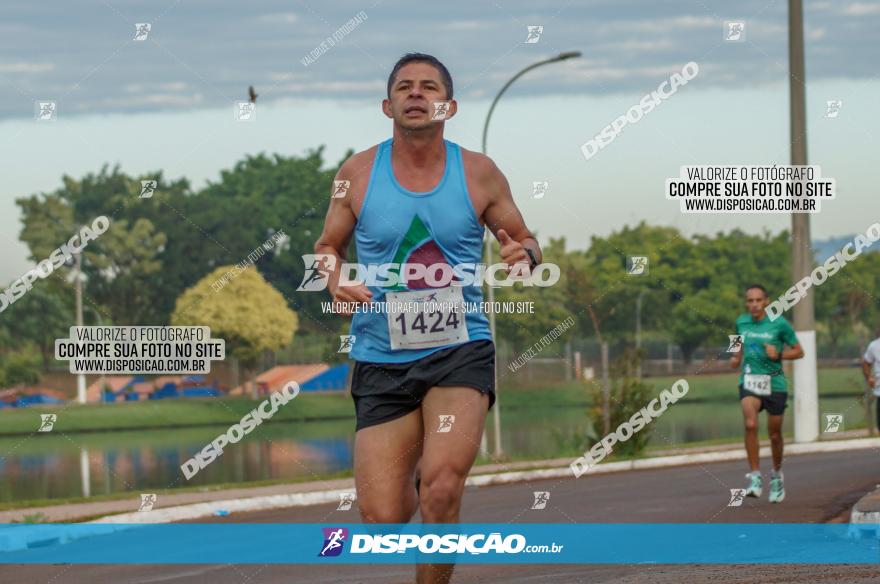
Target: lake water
(50, 466)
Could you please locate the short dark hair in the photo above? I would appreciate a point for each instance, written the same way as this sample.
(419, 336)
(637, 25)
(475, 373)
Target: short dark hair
(759, 287)
(422, 58)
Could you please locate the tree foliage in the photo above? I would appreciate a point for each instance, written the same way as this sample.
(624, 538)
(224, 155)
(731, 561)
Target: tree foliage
(248, 313)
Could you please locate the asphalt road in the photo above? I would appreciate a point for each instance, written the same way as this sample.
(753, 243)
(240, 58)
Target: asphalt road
(819, 488)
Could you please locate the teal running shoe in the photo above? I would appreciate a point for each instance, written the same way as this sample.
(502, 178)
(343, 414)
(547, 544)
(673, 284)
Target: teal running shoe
(777, 488)
(756, 484)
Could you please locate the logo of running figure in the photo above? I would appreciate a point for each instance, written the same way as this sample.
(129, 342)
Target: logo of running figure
(148, 187)
(45, 111)
(735, 343)
(441, 110)
(346, 500)
(539, 189)
(340, 188)
(734, 31)
(541, 499)
(534, 33)
(147, 501)
(142, 30)
(334, 541)
(737, 496)
(832, 108)
(446, 422)
(833, 423)
(346, 343)
(636, 265)
(47, 422)
(432, 297)
(245, 111)
(318, 269)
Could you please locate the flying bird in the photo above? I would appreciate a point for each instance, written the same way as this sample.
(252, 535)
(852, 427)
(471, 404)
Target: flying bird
(252, 94)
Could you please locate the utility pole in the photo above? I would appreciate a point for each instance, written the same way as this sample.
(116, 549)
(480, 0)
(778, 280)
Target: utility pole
(80, 378)
(806, 398)
(639, 334)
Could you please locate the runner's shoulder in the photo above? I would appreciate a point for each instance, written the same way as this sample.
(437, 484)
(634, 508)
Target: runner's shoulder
(743, 319)
(357, 167)
(479, 168)
(782, 322)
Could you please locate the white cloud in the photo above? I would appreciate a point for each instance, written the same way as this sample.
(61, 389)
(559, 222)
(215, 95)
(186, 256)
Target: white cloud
(814, 34)
(149, 99)
(861, 8)
(143, 87)
(638, 45)
(465, 25)
(279, 17)
(677, 23)
(281, 76)
(337, 87)
(26, 68)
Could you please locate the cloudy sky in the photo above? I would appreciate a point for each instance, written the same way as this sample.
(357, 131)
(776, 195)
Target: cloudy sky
(167, 102)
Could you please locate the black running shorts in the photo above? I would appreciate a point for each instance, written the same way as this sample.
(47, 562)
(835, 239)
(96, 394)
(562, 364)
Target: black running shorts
(386, 391)
(775, 403)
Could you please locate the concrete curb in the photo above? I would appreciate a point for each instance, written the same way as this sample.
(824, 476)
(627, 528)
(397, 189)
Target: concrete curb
(200, 510)
(865, 516)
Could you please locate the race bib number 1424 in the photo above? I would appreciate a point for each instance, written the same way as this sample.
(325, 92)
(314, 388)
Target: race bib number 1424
(421, 319)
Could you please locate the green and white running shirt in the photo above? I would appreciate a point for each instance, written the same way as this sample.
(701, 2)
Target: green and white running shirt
(755, 362)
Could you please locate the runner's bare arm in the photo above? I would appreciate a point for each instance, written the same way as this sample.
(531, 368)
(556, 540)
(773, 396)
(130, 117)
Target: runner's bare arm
(791, 353)
(339, 227)
(736, 359)
(867, 372)
(503, 217)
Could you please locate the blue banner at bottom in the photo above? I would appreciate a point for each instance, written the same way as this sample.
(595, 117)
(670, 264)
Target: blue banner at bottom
(490, 543)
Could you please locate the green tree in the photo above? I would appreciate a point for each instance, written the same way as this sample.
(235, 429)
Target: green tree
(39, 317)
(262, 195)
(20, 365)
(616, 291)
(127, 264)
(706, 284)
(247, 312)
(848, 300)
(116, 264)
(551, 304)
(627, 395)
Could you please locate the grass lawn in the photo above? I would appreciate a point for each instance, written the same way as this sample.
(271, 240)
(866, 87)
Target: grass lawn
(715, 387)
(224, 412)
(170, 414)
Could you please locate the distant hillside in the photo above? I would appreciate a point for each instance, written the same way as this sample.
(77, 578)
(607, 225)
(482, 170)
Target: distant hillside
(827, 247)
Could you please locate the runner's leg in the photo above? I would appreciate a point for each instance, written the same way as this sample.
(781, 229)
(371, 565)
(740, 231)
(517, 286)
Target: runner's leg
(447, 459)
(751, 406)
(877, 399)
(774, 429)
(385, 456)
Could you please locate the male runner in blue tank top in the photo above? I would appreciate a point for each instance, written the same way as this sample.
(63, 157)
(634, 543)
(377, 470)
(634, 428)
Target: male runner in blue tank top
(423, 379)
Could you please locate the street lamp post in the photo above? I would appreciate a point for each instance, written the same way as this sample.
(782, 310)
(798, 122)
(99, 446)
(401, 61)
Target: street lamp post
(487, 241)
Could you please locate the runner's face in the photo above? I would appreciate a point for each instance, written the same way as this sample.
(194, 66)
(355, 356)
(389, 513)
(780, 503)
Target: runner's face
(413, 94)
(756, 302)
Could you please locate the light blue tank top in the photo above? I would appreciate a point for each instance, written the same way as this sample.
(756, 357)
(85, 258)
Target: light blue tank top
(400, 226)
